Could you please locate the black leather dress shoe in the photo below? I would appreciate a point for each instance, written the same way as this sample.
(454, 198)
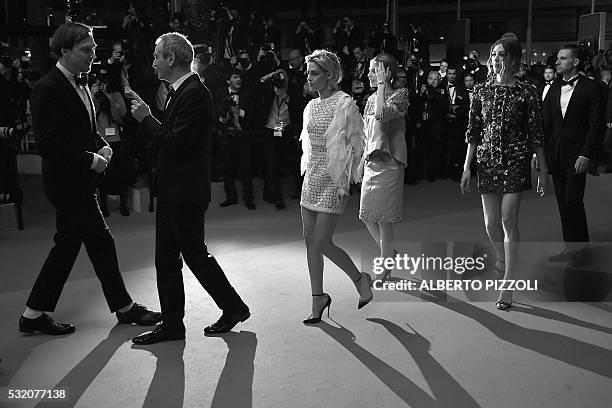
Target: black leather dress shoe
(227, 203)
(158, 335)
(280, 205)
(227, 322)
(140, 315)
(250, 205)
(562, 256)
(44, 324)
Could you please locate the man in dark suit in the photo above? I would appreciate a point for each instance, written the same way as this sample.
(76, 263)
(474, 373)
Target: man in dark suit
(550, 75)
(235, 140)
(457, 120)
(73, 154)
(183, 191)
(574, 126)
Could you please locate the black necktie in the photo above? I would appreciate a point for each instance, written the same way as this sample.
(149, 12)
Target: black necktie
(549, 82)
(170, 93)
(570, 82)
(81, 80)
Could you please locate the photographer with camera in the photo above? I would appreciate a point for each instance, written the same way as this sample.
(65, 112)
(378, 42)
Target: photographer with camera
(432, 106)
(347, 36)
(111, 121)
(267, 60)
(418, 71)
(457, 121)
(279, 119)
(474, 67)
(305, 38)
(234, 140)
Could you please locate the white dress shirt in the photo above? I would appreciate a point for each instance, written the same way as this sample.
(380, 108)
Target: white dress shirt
(566, 95)
(545, 91)
(83, 93)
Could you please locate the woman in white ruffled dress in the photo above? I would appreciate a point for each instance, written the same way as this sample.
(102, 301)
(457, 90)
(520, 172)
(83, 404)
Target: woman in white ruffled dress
(332, 144)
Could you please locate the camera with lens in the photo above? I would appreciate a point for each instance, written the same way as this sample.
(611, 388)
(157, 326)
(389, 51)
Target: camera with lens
(227, 105)
(276, 79)
(267, 46)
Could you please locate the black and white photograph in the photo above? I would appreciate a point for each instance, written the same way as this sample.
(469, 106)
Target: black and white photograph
(305, 203)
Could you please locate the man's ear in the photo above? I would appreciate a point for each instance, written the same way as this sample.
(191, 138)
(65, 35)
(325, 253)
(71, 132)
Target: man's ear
(171, 59)
(576, 62)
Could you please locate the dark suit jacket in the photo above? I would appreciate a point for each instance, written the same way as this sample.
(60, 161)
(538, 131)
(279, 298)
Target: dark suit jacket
(184, 140)
(580, 133)
(65, 138)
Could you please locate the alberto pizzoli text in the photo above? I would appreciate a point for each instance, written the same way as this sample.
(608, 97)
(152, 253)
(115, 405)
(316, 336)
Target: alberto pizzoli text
(456, 285)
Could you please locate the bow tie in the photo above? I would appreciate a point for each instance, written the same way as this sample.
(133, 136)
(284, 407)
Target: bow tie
(81, 80)
(232, 93)
(570, 82)
(549, 82)
(451, 86)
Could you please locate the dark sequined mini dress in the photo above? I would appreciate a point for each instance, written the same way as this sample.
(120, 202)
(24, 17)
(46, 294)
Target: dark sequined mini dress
(505, 122)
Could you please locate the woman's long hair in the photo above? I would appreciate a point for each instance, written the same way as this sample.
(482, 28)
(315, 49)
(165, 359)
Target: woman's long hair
(513, 54)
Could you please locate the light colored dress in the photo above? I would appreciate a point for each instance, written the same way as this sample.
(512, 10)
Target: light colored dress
(385, 159)
(332, 145)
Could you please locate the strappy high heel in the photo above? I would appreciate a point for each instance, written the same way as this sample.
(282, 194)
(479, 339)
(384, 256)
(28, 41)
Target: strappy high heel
(316, 319)
(363, 285)
(386, 275)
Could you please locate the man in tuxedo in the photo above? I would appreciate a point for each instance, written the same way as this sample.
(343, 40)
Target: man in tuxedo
(574, 126)
(73, 154)
(183, 192)
(457, 120)
(234, 140)
(550, 74)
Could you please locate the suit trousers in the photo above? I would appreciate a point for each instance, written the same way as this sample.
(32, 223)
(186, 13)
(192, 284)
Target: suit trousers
(180, 233)
(77, 224)
(569, 189)
(236, 153)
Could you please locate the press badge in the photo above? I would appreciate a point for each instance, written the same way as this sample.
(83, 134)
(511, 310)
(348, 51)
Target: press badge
(109, 131)
(278, 129)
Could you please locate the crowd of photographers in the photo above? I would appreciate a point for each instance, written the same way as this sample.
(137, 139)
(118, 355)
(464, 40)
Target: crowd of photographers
(260, 97)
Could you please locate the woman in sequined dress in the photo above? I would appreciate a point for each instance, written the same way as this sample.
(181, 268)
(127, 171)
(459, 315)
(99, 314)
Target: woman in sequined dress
(332, 145)
(385, 154)
(505, 129)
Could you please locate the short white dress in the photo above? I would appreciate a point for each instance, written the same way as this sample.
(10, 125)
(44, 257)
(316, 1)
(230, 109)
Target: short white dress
(332, 145)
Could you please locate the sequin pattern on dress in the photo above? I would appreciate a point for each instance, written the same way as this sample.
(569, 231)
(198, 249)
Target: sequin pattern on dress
(318, 190)
(506, 124)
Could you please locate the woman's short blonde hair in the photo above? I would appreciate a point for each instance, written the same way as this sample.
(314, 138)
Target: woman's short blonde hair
(328, 62)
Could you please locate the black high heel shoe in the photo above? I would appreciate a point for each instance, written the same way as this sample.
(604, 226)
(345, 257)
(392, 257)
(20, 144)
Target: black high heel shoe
(363, 288)
(316, 319)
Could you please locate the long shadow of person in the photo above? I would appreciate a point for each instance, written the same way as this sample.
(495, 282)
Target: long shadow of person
(167, 387)
(447, 391)
(587, 356)
(606, 307)
(85, 372)
(561, 317)
(17, 352)
(397, 382)
(235, 386)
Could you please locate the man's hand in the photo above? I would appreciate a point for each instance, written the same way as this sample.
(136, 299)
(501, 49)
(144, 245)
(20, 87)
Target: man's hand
(101, 164)
(106, 152)
(582, 163)
(140, 109)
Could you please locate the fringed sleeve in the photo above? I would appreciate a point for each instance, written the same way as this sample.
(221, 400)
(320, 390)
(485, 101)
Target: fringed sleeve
(345, 144)
(305, 139)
